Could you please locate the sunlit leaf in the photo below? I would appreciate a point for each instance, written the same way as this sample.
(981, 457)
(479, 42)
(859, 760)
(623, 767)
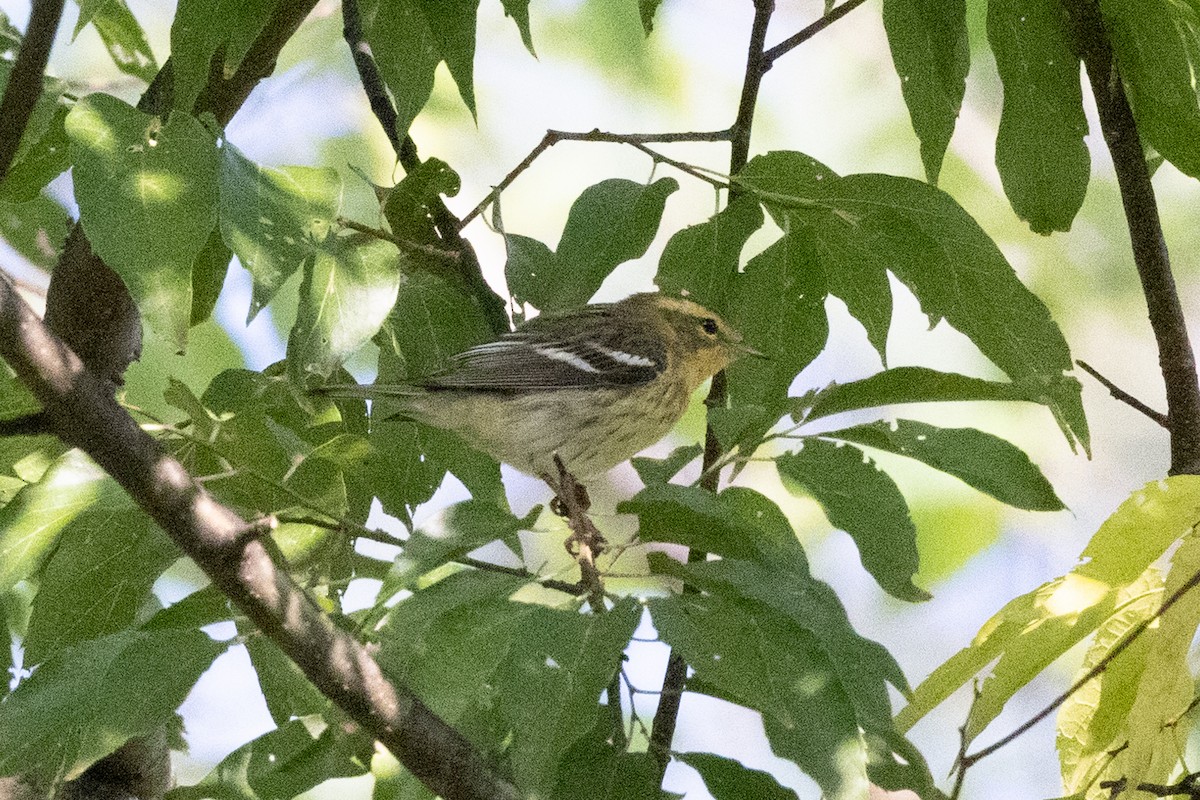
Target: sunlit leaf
(1033, 630)
(349, 287)
(147, 196)
(274, 218)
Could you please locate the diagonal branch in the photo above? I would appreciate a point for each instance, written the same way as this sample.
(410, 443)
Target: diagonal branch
(449, 227)
(82, 411)
(26, 79)
(795, 40)
(1125, 397)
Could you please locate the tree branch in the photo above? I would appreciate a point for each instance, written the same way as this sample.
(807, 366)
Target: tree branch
(797, 39)
(666, 716)
(83, 412)
(26, 78)
(1175, 356)
(1125, 397)
(448, 226)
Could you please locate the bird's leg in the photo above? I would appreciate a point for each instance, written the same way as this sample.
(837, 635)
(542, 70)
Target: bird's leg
(585, 542)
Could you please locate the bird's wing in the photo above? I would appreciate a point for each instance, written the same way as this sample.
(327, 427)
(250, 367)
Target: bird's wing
(582, 349)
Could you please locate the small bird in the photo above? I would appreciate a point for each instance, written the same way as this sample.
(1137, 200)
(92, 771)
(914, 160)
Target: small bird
(594, 385)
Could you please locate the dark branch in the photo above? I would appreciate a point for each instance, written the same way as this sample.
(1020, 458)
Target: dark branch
(662, 732)
(794, 41)
(638, 140)
(368, 73)
(26, 78)
(1125, 397)
(1175, 356)
(469, 271)
(82, 411)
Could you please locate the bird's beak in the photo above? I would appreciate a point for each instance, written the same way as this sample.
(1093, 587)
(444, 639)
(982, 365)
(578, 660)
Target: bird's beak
(745, 349)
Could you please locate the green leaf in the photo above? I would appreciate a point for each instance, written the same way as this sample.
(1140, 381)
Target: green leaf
(693, 517)
(99, 576)
(777, 304)
(610, 223)
(348, 290)
(759, 658)
(1151, 40)
(204, 30)
(409, 38)
(285, 762)
(452, 23)
(1093, 717)
(661, 470)
(519, 11)
(274, 218)
(548, 686)
(147, 201)
(727, 779)
(31, 523)
(981, 460)
(956, 272)
(1164, 693)
(88, 700)
(609, 771)
(288, 693)
(202, 607)
(123, 37)
(47, 156)
(407, 56)
(864, 502)
(901, 385)
(647, 9)
(208, 276)
(1033, 630)
(446, 641)
(929, 46)
(1043, 161)
(407, 207)
(702, 261)
(36, 229)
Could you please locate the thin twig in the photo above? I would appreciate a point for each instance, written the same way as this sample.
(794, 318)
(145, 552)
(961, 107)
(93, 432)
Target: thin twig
(797, 39)
(26, 79)
(403, 244)
(638, 140)
(1125, 397)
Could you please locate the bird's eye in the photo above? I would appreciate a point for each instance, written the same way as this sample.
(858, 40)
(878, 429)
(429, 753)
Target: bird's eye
(709, 326)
